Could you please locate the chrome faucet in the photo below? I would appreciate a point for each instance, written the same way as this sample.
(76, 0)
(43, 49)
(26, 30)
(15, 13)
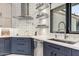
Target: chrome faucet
(65, 36)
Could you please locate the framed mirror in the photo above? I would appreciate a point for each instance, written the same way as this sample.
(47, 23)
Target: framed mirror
(58, 19)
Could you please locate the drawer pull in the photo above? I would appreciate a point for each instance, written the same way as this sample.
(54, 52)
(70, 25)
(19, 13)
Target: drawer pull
(20, 44)
(53, 54)
(20, 39)
(20, 50)
(54, 47)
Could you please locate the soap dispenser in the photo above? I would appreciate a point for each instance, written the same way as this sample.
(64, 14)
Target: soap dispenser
(36, 33)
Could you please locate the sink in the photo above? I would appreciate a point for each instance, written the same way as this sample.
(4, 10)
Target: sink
(63, 41)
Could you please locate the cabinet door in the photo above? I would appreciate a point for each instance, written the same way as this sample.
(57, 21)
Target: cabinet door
(1, 43)
(75, 52)
(46, 51)
(5, 46)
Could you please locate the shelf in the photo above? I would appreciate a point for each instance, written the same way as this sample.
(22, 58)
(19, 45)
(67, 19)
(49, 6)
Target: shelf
(42, 15)
(42, 26)
(42, 6)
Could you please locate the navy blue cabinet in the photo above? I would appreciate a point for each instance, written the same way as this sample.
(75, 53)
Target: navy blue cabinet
(22, 46)
(5, 46)
(75, 52)
(55, 50)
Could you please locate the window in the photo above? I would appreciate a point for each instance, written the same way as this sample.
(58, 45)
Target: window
(75, 17)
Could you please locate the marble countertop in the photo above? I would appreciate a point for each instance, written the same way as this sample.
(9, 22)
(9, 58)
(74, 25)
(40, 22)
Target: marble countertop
(46, 39)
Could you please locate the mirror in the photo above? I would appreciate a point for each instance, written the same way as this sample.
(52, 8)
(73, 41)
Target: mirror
(58, 19)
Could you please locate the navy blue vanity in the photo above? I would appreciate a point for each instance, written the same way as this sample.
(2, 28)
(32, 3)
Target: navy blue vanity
(57, 50)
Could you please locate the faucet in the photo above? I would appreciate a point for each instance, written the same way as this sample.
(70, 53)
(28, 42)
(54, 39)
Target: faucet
(65, 36)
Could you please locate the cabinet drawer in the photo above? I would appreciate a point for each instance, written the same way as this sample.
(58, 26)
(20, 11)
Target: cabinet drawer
(21, 50)
(75, 52)
(18, 40)
(55, 47)
(22, 47)
(21, 44)
(18, 46)
(24, 40)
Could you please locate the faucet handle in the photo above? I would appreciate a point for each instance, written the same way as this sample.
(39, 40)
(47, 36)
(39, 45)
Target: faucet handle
(66, 36)
(55, 36)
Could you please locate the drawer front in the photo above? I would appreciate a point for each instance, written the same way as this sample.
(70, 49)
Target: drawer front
(21, 50)
(18, 40)
(55, 47)
(75, 52)
(19, 44)
(60, 49)
(21, 39)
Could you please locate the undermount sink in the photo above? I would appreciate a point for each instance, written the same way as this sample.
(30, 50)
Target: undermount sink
(63, 41)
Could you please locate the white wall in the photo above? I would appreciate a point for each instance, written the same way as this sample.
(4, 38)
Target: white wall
(54, 5)
(5, 18)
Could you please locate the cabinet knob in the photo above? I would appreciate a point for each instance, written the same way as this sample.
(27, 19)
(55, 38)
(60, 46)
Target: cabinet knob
(53, 54)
